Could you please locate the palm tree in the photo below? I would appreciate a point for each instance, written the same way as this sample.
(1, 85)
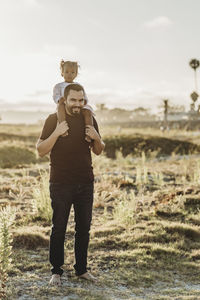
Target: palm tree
(166, 108)
(194, 64)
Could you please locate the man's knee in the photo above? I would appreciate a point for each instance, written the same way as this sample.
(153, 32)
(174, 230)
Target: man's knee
(58, 230)
(82, 230)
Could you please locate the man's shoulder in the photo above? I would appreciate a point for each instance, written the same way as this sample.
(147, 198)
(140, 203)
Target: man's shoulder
(49, 126)
(52, 118)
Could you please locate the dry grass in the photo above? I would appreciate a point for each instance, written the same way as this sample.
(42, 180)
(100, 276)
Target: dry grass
(145, 233)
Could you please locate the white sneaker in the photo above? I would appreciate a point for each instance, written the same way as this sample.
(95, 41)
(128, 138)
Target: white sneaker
(55, 280)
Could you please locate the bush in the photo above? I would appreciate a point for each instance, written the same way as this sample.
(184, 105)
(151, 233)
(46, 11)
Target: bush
(7, 216)
(41, 199)
(125, 209)
(135, 145)
(12, 157)
(29, 240)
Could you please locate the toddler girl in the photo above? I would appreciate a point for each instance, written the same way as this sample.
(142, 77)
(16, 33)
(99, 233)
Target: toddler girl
(69, 70)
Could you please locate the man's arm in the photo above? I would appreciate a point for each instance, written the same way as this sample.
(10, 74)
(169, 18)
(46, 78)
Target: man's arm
(98, 145)
(45, 146)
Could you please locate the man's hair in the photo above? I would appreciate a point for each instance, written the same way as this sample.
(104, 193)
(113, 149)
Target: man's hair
(74, 87)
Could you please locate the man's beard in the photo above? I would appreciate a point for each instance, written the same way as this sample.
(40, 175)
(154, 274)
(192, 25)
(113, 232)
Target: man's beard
(75, 110)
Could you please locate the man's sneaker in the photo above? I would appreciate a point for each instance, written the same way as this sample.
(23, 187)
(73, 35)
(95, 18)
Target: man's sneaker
(55, 280)
(88, 276)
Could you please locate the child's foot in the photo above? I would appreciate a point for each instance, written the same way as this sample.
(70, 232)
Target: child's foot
(55, 280)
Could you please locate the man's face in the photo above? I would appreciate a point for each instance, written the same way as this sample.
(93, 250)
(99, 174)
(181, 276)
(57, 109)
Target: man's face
(74, 102)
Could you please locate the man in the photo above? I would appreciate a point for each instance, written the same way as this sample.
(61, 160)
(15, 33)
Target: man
(71, 179)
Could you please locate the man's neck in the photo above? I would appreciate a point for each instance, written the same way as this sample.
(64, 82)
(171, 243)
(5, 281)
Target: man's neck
(70, 114)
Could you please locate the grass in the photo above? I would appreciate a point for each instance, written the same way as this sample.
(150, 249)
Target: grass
(7, 216)
(41, 199)
(125, 209)
(145, 237)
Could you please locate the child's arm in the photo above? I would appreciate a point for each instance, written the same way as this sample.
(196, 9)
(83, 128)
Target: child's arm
(61, 114)
(88, 114)
(88, 117)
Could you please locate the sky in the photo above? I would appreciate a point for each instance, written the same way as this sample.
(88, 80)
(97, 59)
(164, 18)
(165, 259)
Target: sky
(131, 52)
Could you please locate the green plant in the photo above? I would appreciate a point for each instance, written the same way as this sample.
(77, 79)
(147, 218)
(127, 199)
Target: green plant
(196, 174)
(158, 178)
(13, 156)
(134, 144)
(7, 216)
(125, 209)
(142, 172)
(41, 200)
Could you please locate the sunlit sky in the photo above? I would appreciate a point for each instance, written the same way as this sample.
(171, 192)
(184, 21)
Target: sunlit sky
(131, 52)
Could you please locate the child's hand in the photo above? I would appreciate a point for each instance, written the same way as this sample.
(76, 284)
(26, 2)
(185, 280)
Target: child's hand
(62, 128)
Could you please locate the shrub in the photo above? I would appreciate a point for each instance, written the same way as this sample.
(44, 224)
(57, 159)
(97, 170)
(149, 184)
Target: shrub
(29, 240)
(130, 144)
(7, 216)
(12, 156)
(41, 199)
(125, 209)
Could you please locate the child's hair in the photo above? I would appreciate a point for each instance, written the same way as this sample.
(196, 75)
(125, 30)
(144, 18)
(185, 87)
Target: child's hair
(73, 64)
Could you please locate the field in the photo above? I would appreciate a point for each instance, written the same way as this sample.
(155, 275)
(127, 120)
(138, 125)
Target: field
(145, 235)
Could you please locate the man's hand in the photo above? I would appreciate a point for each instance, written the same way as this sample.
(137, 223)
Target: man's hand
(61, 100)
(92, 133)
(61, 128)
(45, 146)
(97, 145)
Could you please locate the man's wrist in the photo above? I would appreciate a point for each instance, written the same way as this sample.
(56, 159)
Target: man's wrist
(55, 134)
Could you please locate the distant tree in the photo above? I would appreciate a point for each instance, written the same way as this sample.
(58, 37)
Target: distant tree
(176, 108)
(141, 111)
(166, 109)
(118, 110)
(194, 64)
(101, 106)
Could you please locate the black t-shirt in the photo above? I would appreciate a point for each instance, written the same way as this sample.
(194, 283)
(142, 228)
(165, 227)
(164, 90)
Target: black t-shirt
(70, 157)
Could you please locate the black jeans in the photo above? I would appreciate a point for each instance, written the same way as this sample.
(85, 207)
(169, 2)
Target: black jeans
(62, 198)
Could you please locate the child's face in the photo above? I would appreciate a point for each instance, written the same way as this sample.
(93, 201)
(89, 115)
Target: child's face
(69, 73)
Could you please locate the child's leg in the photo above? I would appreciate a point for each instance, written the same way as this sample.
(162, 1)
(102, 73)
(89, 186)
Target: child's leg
(61, 114)
(87, 116)
(88, 121)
